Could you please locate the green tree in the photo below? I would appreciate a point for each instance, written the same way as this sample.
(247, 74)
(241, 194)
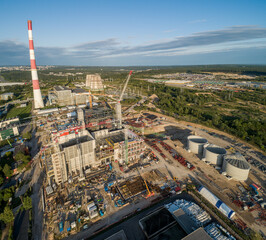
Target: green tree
(1, 180)
(27, 135)
(22, 157)
(7, 171)
(27, 204)
(7, 216)
(7, 194)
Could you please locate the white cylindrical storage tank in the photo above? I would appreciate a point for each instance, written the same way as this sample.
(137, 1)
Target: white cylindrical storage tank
(214, 154)
(223, 208)
(236, 166)
(196, 143)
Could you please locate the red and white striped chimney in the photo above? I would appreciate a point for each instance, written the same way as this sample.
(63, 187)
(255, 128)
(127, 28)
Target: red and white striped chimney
(38, 102)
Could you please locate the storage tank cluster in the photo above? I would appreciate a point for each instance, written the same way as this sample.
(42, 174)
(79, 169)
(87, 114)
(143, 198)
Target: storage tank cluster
(222, 207)
(213, 154)
(195, 144)
(236, 166)
(233, 165)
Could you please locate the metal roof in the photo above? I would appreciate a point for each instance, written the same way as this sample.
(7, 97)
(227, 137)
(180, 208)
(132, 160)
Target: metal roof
(197, 139)
(199, 234)
(184, 220)
(215, 149)
(61, 88)
(237, 160)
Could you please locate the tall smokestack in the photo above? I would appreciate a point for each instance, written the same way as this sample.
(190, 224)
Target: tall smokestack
(38, 102)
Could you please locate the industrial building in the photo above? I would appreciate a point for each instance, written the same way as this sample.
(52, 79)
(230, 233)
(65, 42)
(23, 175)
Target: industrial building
(6, 123)
(213, 154)
(6, 96)
(94, 82)
(8, 132)
(9, 128)
(77, 152)
(183, 220)
(195, 144)
(64, 96)
(215, 201)
(236, 166)
(74, 153)
(97, 138)
(96, 118)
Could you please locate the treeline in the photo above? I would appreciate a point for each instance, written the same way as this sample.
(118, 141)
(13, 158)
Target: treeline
(247, 124)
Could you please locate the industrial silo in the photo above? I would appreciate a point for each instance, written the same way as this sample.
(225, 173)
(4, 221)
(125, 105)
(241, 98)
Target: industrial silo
(236, 166)
(195, 144)
(213, 154)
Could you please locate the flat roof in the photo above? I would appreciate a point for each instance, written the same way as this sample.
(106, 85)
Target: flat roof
(184, 220)
(61, 88)
(199, 234)
(79, 90)
(75, 141)
(117, 137)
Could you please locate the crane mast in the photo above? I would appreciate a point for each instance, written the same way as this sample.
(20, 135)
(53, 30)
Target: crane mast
(118, 108)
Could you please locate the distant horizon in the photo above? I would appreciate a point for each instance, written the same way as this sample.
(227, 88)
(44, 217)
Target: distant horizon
(187, 65)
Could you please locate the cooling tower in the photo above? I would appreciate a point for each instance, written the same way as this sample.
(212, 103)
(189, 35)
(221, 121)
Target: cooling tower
(94, 82)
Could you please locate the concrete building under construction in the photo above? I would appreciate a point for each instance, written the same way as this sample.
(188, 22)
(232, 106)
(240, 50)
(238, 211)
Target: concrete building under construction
(76, 153)
(64, 96)
(94, 82)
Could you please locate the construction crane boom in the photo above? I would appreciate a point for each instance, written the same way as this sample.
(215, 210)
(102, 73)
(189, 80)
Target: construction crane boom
(125, 86)
(118, 107)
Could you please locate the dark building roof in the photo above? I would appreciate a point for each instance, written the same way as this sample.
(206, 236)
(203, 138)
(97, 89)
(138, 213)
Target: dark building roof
(184, 220)
(79, 90)
(61, 88)
(199, 234)
(75, 141)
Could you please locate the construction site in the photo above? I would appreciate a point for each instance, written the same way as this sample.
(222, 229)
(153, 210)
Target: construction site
(128, 164)
(134, 171)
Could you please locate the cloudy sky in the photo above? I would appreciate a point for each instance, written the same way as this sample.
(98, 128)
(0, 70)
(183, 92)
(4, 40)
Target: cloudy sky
(140, 32)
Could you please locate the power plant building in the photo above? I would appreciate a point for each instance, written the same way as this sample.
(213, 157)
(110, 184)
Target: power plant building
(236, 166)
(64, 96)
(94, 82)
(75, 153)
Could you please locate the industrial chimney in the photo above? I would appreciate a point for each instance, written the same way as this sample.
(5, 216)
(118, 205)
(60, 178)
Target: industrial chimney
(38, 102)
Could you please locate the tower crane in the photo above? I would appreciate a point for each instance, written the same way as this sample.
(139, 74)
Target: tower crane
(118, 108)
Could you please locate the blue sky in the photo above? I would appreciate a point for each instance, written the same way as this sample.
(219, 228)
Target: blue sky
(136, 32)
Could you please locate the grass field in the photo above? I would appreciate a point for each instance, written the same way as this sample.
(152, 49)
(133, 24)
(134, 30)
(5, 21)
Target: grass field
(19, 112)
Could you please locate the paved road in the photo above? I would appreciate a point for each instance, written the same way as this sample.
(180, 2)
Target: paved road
(21, 225)
(36, 182)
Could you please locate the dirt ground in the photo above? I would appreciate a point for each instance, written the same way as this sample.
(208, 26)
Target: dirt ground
(204, 173)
